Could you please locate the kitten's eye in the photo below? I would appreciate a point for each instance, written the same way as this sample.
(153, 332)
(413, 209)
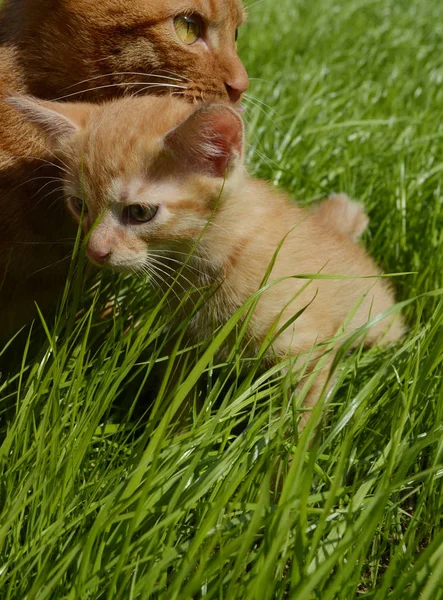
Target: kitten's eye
(139, 214)
(188, 29)
(78, 206)
(236, 34)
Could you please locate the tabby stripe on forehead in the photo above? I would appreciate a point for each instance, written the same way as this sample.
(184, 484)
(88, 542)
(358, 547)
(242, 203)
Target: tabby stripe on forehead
(212, 7)
(130, 28)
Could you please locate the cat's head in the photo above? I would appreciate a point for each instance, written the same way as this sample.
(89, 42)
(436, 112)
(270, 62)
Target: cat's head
(108, 47)
(141, 174)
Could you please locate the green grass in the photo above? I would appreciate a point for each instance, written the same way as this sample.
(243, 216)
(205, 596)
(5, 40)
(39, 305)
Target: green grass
(104, 495)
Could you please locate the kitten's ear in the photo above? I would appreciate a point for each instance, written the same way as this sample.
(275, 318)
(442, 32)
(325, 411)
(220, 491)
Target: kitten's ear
(209, 141)
(55, 119)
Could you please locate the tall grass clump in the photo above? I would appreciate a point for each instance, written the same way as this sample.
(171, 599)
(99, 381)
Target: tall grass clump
(135, 466)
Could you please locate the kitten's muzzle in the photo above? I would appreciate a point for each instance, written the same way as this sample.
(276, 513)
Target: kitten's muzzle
(98, 257)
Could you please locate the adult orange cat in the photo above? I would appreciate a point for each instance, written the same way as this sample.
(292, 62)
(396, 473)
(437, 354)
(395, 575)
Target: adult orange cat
(96, 50)
(153, 178)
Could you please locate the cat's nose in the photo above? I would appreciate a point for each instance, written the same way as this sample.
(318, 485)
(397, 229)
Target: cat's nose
(98, 256)
(235, 86)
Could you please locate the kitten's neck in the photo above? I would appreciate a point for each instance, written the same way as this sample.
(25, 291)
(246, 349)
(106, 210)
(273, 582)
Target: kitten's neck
(234, 225)
(238, 243)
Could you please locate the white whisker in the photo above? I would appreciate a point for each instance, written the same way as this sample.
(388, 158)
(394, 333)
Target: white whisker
(154, 271)
(169, 272)
(148, 75)
(47, 162)
(27, 181)
(181, 263)
(54, 264)
(52, 191)
(124, 85)
(55, 201)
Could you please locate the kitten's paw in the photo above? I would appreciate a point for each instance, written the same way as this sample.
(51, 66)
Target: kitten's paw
(346, 216)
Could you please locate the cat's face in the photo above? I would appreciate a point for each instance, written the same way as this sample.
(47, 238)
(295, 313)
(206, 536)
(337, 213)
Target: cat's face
(108, 47)
(142, 174)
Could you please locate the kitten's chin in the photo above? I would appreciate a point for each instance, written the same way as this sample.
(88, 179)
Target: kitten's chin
(121, 268)
(125, 269)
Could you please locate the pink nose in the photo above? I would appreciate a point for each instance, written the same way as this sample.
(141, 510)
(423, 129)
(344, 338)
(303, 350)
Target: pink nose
(98, 256)
(237, 85)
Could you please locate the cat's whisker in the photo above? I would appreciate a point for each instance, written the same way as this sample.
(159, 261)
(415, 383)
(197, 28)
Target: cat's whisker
(122, 73)
(159, 85)
(62, 169)
(265, 159)
(47, 162)
(260, 107)
(27, 181)
(157, 272)
(172, 73)
(124, 85)
(180, 262)
(152, 278)
(54, 191)
(249, 6)
(175, 274)
(219, 226)
(196, 270)
(251, 97)
(66, 169)
(178, 273)
(178, 252)
(57, 200)
(54, 264)
(170, 272)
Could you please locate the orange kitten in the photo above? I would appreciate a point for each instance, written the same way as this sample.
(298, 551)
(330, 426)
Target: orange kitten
(154, 177)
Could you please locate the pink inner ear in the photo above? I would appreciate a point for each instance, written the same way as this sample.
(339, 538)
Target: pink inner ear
(209, 141)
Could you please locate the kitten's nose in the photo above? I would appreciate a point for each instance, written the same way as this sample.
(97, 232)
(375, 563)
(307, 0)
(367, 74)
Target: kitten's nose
(98, 256)
(235, 86)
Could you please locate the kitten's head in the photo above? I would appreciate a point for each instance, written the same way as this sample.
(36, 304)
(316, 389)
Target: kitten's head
(106, 48)
(141, 174)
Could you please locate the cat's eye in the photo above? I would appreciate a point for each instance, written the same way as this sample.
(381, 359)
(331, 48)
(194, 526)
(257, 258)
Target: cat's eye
(188, 29)
(138, 213)
(78, 206)
(236, 34)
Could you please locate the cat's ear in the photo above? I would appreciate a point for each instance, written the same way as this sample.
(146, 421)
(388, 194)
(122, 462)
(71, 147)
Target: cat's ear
(54, 119)
(210, 141)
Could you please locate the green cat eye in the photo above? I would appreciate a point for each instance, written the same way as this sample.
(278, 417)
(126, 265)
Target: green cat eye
(188, 29)
(139, 214)
(236, 34)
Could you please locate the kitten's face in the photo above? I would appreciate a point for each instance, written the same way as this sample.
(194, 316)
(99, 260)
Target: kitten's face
(142, 174)
(187, 47)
